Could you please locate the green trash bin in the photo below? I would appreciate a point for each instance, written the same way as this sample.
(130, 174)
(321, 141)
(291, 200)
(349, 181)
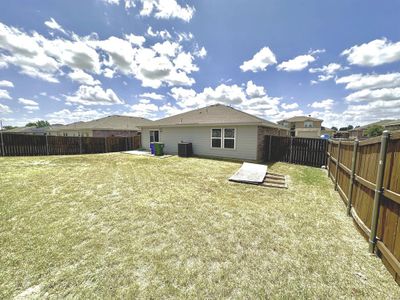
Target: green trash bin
(159, 149)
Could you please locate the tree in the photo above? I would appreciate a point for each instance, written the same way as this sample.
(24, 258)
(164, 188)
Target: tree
(38, 124)
(8, 127)
(343, 129)
(350, 127)
(334, 128)
(374, 130)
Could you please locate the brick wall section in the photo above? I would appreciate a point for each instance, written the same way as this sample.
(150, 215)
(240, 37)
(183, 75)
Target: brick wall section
(118, 133)
(261, 133)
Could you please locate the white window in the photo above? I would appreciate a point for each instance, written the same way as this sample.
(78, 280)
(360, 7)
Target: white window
(154, 136)
(308, 124)
(223, 138)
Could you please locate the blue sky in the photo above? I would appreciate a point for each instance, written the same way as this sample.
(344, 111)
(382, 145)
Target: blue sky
(67, 61)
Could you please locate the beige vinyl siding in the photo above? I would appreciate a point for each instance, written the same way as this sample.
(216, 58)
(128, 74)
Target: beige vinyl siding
(200, 137)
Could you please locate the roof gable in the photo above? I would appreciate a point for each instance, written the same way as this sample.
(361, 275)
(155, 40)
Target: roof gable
(214, 114)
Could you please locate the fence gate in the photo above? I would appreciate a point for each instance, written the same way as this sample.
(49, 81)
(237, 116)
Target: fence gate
(303, 151)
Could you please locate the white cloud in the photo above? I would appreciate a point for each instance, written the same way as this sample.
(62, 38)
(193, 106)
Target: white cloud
(80, 113)
(202, 52)
(52, 24)
(368, 95)
(370, 81)
(4, 109)
(260, 61)
(328, 71)
(184, 62)
(166, 9)
(153, 96)
(111, 2)
(256, 101)
(296, 64)
(374, 53)
(83, 78)
(326, 104)
(160, 9)
(6, 84)
(4, 94)
(135, 39)
(29, 102)
(165, 63)
(94, 95)
(163, 34)
(290, 106)
(143, 109)
(253, 90)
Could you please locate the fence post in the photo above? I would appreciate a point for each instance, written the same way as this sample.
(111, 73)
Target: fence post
(47, 145)
(290, 153)
(337, 166)
(353, 171)
(329, 158)
(80, 144)
(126, 144)
(2, 143)
(378, 190)
(105, 144)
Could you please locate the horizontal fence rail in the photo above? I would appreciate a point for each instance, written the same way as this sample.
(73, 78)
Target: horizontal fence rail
(31, 145)
(367, 176)
(297, 150)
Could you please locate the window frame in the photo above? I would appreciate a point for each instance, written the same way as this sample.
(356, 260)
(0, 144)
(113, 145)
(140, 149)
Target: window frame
(222, 138)
(308, 123)
(154, 130)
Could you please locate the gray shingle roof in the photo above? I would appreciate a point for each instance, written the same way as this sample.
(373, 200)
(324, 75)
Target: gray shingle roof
(107, 123)
(217, 114)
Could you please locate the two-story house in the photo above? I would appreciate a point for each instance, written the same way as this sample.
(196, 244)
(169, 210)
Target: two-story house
(305, 126)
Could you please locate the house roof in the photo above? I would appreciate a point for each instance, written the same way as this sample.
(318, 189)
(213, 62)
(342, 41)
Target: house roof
(108, 123)
(216, 114)
(301, 119)
(381, 123)
(30, 129)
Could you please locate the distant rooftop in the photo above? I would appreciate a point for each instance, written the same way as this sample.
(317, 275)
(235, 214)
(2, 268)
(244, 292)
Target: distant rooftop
(108, 123)
(301, 119)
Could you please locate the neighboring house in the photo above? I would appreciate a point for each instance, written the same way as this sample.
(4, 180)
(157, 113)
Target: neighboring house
(360, 132)
(214, 131)
(122, 126)
(303, 126)
(32, 130)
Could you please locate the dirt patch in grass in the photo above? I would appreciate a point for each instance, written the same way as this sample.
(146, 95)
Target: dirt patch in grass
(117, 225)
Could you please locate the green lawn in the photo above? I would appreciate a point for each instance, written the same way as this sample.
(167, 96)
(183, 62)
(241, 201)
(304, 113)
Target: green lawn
(118, 225)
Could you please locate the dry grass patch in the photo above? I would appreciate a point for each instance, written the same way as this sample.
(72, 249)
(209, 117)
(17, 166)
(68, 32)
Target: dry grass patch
(117, 225)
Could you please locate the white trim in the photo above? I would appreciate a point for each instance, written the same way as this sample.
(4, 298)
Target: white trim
(222, 138)
(159, 137)
(216, 138)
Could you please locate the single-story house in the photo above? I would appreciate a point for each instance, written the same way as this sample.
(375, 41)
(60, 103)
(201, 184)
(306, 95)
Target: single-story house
(214, 131)
(122, 126)
(32, 130)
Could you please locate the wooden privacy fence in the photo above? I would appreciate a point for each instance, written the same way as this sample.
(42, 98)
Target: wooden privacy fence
(297, 150)
(367, 177)
(29, 145)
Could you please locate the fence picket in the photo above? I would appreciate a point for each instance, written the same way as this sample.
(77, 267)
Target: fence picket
(32, 145)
